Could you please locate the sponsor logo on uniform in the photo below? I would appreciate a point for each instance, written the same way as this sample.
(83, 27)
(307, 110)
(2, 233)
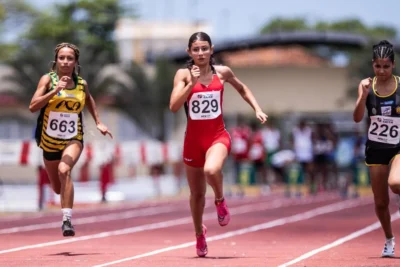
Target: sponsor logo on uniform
(61, 93)
(70, 105)
(65, 115)
(374, 111)
(387, 120)
(398, 110)
(386, 111)
(390, 102)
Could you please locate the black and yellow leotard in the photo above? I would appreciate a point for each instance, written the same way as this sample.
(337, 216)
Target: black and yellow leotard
(383, 143)
(60, 121)
(382, 134)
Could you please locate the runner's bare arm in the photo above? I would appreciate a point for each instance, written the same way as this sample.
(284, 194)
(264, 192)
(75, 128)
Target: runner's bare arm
(363, 89)
(181, 91)
(243, 90)
(40, 98)
(91, 105)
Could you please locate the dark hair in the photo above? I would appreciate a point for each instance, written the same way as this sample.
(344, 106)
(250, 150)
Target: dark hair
(383, 50)
(200, 36)
(76, 70)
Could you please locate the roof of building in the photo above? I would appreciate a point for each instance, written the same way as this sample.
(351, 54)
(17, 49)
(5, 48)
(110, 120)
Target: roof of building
(273, 56)
(306, 39)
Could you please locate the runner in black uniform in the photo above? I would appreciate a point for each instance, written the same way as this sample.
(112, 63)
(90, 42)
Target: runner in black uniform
(381, 96)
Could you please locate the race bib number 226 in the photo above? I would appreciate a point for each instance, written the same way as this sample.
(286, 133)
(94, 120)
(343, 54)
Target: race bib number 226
(384, 130)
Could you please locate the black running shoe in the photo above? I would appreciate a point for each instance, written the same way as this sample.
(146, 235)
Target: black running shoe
(67, 228)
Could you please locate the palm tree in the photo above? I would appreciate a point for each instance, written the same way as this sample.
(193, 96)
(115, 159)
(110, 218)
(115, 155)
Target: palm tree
(130, 89)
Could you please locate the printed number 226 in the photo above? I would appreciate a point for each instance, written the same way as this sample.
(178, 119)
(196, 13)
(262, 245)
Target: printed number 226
(393, 130)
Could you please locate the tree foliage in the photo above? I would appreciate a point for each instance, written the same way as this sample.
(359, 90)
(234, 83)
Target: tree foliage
(359, 61)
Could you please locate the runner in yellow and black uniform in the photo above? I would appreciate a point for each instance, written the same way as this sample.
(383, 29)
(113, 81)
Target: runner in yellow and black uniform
(61, 96)
(60, 121)
(381, 97)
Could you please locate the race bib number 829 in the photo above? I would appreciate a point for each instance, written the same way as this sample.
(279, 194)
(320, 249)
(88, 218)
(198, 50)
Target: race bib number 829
(205, 105)
(384, 130)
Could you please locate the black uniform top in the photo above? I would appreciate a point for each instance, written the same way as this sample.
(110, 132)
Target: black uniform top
(384, 118)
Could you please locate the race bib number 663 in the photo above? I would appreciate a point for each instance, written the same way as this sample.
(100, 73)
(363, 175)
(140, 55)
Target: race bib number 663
(62, 125)
(205, 105)
(384, 130)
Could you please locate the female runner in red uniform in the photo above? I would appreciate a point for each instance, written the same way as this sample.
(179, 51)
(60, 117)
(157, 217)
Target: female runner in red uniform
(200, 87)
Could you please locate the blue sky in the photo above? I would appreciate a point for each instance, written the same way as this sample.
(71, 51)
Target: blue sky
(231, 18)
(237, 18)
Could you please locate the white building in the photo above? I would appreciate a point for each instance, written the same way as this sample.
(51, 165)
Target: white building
(137, 40)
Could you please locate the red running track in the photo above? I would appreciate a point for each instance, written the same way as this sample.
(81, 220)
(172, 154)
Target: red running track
(266, 231)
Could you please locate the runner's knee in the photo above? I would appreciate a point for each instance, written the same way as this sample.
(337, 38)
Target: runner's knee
(64, 170)
(211, 171)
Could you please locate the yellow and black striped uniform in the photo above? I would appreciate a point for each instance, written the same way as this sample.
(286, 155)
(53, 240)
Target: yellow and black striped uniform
(60, 121)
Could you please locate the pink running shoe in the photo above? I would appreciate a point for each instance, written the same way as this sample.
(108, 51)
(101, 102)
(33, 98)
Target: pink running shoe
(223, 213)
(201, 244)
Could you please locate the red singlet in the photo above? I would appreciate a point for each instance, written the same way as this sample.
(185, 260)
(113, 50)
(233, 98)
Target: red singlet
(205, 125)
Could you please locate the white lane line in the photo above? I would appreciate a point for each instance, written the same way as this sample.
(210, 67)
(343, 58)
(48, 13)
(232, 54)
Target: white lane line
(278, 222)
(121, 207)
(109, 217)
(164, 224)
(94, 219)
(340, 241)
(77, 211)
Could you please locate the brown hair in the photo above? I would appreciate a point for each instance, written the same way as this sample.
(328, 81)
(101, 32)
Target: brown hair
(200, 36)
(76, 51)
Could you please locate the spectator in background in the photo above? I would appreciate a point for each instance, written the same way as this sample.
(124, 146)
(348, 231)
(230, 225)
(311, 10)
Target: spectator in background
(332, 160)
(156, 171)
(358, 158)
(301, 140)
(257, 157)
(272, 144)
(106, 177)
(240, 145)
(43, 181)
(323, 142)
